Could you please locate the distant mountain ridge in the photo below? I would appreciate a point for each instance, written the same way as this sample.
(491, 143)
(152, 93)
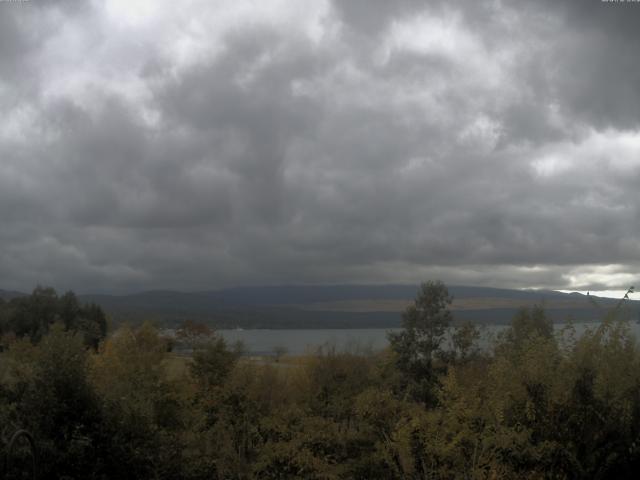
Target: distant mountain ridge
(332, 306)
(296, 295)
(9, 294)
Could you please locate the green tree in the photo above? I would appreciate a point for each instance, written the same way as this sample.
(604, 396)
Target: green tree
(527, 325)
(464, 339)
(142, 407)
(49, 394)
(33, 315)
(212, 363)
(418, 344)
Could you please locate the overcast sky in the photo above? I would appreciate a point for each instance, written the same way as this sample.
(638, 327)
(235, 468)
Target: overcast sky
(198, 144)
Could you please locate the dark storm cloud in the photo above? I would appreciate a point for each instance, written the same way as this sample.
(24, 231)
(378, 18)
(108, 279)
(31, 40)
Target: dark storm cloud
(480, 142)
(598, 72)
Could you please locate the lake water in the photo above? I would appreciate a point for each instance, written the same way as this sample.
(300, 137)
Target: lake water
(297, 342)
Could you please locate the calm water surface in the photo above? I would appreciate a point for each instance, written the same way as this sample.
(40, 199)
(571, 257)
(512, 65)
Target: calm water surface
(296, 342)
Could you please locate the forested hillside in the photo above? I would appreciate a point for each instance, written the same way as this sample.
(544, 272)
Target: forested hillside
(333, 306)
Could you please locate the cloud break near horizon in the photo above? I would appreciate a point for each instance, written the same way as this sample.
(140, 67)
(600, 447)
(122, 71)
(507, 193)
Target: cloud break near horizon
(201, 144)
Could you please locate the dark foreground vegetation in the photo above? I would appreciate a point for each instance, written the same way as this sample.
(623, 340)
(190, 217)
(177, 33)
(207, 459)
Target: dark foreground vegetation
(535, 405)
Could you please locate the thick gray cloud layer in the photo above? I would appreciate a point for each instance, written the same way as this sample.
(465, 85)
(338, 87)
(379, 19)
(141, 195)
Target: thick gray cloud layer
(150, 145)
